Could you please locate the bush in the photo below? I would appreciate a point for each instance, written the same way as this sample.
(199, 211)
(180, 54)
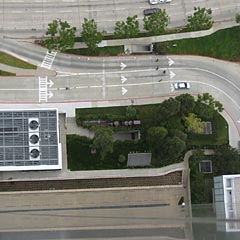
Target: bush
(238, 18)
(121, 158)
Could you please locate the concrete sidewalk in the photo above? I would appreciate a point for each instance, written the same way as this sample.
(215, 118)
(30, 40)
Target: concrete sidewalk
(162, 38)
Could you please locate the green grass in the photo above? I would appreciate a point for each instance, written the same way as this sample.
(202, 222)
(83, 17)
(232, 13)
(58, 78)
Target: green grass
(219, 136)
(101, 51)
(224, 44)
(15, 62)
(3, 73)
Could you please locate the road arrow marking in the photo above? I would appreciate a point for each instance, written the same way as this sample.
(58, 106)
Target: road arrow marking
(50, 94)
(50, 83)
(122, 65)
(172, 74)
(170, 62)
(124, 90)
(123, 79)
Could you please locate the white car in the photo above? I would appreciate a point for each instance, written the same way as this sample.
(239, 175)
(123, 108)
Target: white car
(181, 85)
(153, 2)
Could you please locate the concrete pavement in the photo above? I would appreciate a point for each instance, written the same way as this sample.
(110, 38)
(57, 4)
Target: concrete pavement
(29, 19)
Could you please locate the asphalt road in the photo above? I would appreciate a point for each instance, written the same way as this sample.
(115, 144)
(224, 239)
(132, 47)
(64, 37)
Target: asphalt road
(97, 81)
(28, 18)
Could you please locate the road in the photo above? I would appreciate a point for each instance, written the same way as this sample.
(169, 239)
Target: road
(95, 81)
(28, 18)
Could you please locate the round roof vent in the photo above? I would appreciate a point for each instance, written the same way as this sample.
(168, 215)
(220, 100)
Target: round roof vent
(34, 153)
(33, 125)
(34, 139)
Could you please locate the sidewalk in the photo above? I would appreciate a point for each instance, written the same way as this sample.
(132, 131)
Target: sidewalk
(162, 38)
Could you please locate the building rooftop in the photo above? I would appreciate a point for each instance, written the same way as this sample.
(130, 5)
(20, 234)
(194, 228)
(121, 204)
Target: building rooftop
(29, 140)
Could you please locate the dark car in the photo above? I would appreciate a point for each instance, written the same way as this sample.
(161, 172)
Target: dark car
(150, 11)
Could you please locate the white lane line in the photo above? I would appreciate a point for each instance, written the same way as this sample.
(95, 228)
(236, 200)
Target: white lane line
(103, 81)
(65, 11)
(210, 72)
(40, 11)
(16, 11)
(18, 89)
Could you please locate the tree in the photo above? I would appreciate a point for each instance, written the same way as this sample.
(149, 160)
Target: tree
(200, 20)
(178, 133)
(62, 36)
(90, 35)
(207, 105)
(157, 22)
(187, 103)
(103, 141)
(237, 17)
(173, 148)
(167, 109)
(226, 160)
(193, 123)
(155, 136)
(131, 112)
(127, 29)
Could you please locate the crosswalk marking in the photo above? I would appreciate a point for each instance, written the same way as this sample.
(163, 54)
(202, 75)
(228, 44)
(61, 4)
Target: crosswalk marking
(48, 60)
(43, 89)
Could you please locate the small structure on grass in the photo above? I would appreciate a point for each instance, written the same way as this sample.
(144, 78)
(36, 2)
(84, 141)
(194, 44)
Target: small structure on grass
(139, 159)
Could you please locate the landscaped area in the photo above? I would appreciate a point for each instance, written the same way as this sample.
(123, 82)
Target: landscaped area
(100, 51)
(223, 44)
(3, 73)
(168, 130)
(15, 62)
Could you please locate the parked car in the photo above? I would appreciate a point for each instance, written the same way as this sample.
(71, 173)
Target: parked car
(181, 85)
(150, 11)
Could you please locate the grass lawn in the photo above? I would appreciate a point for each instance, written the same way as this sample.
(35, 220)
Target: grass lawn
(101, 51)
(3, 73)
(224, 44)
(15, 62)
(219, 136)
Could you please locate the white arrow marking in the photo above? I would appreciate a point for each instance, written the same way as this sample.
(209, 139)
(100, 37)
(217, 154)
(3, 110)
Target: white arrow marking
(50, 94)
(124, 90)
(123, 79)
(172, 74)
(122, 65)
(170, 62)
(50, 83)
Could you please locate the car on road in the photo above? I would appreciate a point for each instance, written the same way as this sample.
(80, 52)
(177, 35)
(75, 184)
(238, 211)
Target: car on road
(181, 85)
(153, 2)
(150, 11)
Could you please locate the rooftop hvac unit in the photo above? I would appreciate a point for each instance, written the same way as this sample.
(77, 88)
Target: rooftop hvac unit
(33, 125)
(34, 153)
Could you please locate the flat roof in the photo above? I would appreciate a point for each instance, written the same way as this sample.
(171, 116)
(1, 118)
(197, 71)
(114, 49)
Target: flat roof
(29, 140)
